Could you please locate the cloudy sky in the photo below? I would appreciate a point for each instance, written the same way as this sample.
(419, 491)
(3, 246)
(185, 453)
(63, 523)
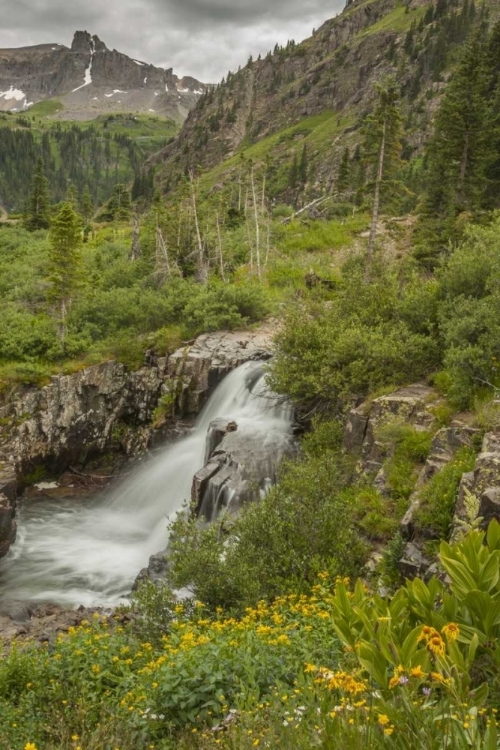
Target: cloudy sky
(203, 38)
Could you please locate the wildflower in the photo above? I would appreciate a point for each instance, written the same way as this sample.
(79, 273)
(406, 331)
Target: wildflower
(436, 645)
(451, 631)
(417, 672)
(388, 731)
(30, 746)
(383, 719)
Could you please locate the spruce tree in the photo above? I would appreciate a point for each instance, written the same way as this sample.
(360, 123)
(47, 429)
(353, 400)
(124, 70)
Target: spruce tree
(64, 265)
(458, 151)
(344, 172)
(38, 216)
(87, 206)
(294, 173)
(304, 165)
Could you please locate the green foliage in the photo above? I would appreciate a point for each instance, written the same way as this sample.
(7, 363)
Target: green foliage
(357, 343)
(38, 216)
(303, 526)
(437, 499)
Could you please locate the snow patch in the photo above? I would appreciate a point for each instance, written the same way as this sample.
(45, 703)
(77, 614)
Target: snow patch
(96, 98)
(156, 93)
(115, 91)
(28, 104)
(13, 93)
(139, 63)
(47, 486)
(88, 71)
(152, 110)
(183, 91)
(146, 80)
(198, 93)
(166, 87)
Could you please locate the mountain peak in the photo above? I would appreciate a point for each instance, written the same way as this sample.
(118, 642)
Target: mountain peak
(91, 80)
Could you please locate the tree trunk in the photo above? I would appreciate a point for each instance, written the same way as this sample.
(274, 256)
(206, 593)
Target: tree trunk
(201, 271)
(376, 205)
(135, 252)
(221, 257)
(257, 227)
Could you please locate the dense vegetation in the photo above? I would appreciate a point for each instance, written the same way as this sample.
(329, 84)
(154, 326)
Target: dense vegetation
(277, 648)
(335, 668)
(92, 156)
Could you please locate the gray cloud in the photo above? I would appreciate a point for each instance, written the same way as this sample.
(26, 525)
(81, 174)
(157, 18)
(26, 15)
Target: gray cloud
(203, 38)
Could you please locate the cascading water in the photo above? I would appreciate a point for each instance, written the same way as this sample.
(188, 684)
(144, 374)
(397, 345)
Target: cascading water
(90, 553)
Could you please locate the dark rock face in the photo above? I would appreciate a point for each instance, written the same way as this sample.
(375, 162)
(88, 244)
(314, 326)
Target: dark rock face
(8, 494)
(241, 465)
(90, 80)
(108, 408)
(479, 493)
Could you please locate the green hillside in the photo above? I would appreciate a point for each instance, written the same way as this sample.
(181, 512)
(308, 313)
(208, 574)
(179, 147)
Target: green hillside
(93, 154)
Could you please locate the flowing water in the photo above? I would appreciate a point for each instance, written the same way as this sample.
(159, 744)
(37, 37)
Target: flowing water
(90, 551)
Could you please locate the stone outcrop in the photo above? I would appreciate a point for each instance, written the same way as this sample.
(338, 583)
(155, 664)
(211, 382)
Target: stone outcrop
(444, 446)
(8, 494)
(479, 493)
(76, 418)
(411, 405)
(241, 465)
(90, 80)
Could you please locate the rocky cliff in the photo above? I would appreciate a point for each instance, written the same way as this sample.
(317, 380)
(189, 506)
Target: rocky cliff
(89, 79)
(317, 93)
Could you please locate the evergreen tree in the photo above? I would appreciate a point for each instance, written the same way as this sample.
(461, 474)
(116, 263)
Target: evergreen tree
(72, 196)
(294, 173)
(87, 206)
(344, 172)
(38, 216)
(304, 165)
(458, 151)
(64, 264)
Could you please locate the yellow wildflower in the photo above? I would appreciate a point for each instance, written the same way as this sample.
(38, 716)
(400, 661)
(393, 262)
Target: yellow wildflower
(451, 631)
(30, 746)
(383, 719)
(417, 672)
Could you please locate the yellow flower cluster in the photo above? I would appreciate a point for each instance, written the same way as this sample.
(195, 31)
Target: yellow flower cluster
(433, 640)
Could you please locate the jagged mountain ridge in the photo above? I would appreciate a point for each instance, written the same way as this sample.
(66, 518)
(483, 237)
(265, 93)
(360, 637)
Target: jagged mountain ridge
(90, 80)
(317, 93)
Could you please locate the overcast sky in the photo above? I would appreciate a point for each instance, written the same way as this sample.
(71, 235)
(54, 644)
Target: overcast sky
(203, 38)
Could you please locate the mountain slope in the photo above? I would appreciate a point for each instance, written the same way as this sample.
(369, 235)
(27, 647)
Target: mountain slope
(317, 93)
(89, 80)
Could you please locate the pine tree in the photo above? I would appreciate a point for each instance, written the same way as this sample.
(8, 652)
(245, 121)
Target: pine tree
(72, 196)
(64, 265)
(344, 172)
(458, 151)
(304, 165)
(87, 206)
(294, 173)
(38, 216)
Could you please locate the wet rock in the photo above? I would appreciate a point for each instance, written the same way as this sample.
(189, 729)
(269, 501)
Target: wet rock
(156, 571)
(8, 494)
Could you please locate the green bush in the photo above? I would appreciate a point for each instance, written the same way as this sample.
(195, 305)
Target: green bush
(303, 526)
(438, 497)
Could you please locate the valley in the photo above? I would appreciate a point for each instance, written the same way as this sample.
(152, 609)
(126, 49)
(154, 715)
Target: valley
(249, 382)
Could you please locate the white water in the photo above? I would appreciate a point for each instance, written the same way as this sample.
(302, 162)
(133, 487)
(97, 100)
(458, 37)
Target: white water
(90, 551)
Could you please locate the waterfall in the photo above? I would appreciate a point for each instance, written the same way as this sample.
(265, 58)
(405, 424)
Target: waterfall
(90, 551)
